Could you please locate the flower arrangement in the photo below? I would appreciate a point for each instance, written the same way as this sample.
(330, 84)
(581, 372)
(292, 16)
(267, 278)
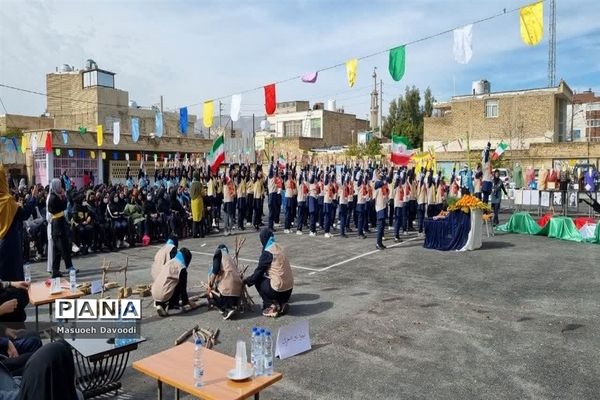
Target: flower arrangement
(467, 203)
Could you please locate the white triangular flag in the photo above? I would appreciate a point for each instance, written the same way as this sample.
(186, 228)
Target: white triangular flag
(34, 142)
(463, 46)
(116, 132)
(236, 102)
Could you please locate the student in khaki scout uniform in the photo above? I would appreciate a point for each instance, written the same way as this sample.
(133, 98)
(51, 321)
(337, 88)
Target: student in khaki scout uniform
(225, 279)
(169, 289)
(164, 255)
(431, 196)
(272, 277)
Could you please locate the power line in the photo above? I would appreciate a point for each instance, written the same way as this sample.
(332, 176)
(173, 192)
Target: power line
(497, 15)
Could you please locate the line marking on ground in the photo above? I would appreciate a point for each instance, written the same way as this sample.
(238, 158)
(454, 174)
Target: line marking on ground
(362, 255)
(254, 261)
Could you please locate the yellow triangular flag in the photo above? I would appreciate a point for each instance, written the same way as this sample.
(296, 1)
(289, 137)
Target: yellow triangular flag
(351, 66)
(24, 143)
(207, 114)
(99, 135)
(92, 154)
(104, 155)
(532, 23)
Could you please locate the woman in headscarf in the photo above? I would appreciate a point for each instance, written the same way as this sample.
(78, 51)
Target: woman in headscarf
(226, 280)
(12, 215)
(61, 246)
(49, 374)
(196, 193)
(272, 277)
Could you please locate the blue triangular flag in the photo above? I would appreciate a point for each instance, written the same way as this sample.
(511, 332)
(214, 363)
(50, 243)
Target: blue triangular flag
(158, 121)
(183, 120)
(70, 153)
(135, 129)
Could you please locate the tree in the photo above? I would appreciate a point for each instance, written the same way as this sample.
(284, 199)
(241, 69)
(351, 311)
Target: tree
(429, 100)
(373, 148)
(406, 115)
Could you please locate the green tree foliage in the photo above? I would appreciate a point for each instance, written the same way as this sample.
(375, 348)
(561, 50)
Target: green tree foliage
(370, 150)
(406, 115)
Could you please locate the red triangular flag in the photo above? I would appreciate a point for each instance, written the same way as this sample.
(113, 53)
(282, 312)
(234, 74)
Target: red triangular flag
(48, 145)
(270, 100)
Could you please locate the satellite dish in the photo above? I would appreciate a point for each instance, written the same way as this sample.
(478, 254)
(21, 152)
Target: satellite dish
(264, 125)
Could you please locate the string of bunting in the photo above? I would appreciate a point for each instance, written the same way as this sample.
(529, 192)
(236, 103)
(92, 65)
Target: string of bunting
(531, 25)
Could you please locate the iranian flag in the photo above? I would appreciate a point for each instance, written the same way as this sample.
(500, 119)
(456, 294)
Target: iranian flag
(216, 157)
(281, 161)
(499, 150)
(401, 151)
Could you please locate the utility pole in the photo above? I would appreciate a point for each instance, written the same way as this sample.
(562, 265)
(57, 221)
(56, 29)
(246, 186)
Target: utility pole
(161, 113)
(552, 44)
(220, 111)
(381, 108)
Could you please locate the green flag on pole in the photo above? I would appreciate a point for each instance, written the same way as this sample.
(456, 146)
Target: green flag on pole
(397, 62)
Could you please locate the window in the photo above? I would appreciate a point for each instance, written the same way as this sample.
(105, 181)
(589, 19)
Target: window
(592, 123)
(491, 108)
(315, 127)
(292, 128)
(576, 134)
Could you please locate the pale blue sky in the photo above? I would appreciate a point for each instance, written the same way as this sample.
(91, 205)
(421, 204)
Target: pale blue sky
(191, 51)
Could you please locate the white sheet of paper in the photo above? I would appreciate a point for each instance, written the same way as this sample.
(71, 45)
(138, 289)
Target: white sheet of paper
(97, 286)
(535, 198)
(55, 287)
(526, 197)
(519, 197)
(292, 339)
(545, 199)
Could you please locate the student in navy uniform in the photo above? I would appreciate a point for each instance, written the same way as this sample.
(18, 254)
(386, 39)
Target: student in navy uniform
(290, 189)
(272, 189)
(381, 197)
(313, 206)
(328, 193)
(363, 195)
(345, 196)
(398, 204)
(301, 200)
(272, 277)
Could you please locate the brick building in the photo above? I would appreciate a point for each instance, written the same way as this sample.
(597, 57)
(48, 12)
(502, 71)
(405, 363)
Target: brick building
(333, 127)
(80, 100)
(534, 123)
(583, 116)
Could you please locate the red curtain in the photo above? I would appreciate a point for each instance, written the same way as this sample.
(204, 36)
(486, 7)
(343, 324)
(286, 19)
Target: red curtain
(270, 100)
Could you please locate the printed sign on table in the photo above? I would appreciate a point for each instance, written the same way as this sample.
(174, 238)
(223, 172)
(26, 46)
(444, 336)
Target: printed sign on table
(96, 286)
(292, 339)
(545, 199)
(526, 197)
(535, 198)
(519, 197)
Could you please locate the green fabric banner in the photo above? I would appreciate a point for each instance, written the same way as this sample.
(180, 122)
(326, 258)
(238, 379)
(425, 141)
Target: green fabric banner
(558, 227)
(520, 222)
(397, 62)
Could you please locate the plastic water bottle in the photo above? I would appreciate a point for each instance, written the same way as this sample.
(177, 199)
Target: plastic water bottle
(198, 363)
(73, 280)
(268, 353)
(256, 352)
(27, 272)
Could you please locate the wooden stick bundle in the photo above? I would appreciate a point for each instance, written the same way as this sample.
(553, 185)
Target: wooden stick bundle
(246, 301)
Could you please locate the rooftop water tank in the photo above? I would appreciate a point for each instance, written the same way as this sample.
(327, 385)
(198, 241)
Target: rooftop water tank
(481, 87)
(66, 68)
(133, 104)
(90, 64)
(330, 105)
